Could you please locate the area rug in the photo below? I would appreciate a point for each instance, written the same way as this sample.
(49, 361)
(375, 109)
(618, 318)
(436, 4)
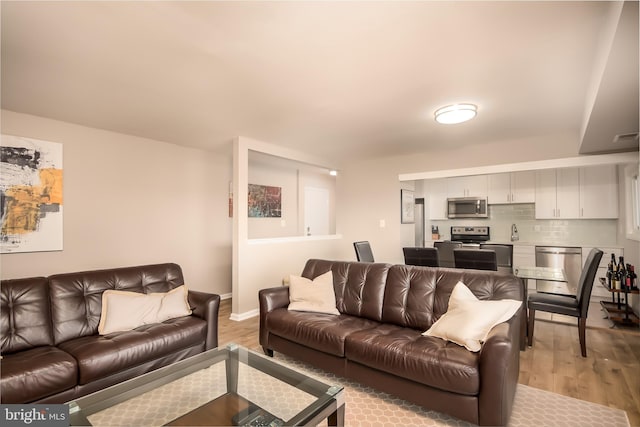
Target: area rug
(364, 406)
(532, 407)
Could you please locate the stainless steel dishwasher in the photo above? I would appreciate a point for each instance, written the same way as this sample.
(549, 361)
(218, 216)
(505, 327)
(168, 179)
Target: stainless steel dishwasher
(567, 258)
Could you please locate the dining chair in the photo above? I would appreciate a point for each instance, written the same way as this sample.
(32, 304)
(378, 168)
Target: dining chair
(504, 255)
(363, 251)
(577, 306)
(426, 257)
(445, 252)
(479, 259)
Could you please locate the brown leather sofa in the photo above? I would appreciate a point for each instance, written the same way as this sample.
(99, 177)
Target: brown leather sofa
(377, 341)
(50, 347)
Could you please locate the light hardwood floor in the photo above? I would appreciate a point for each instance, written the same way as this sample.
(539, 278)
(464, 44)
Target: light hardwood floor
(609, 375)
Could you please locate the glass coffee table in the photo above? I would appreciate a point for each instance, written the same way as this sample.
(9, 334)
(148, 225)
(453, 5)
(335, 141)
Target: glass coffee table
(224, 386)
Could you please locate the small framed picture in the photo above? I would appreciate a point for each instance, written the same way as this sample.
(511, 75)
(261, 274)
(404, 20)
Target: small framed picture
(407, 206)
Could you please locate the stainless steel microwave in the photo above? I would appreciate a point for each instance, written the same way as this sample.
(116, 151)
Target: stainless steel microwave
(467, 207)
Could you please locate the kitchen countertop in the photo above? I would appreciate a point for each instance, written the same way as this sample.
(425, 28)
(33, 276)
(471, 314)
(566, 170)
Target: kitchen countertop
(560, 244)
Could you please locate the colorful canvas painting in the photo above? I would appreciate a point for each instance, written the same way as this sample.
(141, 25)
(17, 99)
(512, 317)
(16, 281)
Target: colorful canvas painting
(265, 201)
(30, 195)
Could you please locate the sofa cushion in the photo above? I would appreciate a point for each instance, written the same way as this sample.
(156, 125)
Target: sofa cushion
(35, 373)
(76, 298)
(409, 296)
(485, 285)
(323, 332)
(468, 320)
(359, 286)
(315, 295)
(101, 355)
(24, 314)
(404, 352)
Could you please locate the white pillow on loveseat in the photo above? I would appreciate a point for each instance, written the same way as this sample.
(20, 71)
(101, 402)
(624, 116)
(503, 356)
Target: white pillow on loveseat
(124, 310)
(315, 295)
(468, 320)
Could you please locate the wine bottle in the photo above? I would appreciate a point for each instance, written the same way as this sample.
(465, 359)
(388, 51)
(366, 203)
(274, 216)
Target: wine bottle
(609, 274)
(627, 278)
(615, 280)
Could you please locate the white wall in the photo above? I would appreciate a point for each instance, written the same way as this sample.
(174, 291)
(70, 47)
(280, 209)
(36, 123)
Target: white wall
(131, 201)
(292, 177)
(263, 264)
(369, 190)
(287, 180)
(631, 247)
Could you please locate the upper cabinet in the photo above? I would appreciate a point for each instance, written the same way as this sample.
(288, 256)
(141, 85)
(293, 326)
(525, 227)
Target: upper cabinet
(514, 187)
(436, 194)
(467, 186)
(589, 192)
(577, 193)
(599, 192)
(557, 193)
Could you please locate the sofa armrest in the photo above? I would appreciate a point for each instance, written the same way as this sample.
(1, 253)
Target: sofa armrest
(271, 299)
(499, 369)
(206, 306)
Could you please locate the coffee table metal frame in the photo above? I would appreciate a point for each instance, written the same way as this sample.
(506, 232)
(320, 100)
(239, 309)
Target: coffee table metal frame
(329, 403)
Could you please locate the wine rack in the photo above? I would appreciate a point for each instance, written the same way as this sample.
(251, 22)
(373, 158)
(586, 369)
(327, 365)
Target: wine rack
(618, 309)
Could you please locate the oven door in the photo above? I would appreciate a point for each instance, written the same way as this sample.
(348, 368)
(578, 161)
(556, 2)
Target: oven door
(467, 207)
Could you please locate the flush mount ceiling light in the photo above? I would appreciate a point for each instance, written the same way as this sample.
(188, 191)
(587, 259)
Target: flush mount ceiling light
(456, 113)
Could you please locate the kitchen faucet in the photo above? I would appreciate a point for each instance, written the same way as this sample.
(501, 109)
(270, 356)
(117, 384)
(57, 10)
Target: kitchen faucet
(514, 233)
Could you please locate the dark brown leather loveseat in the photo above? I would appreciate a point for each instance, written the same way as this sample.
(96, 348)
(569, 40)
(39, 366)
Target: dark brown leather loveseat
(376, 340)
(50, 347)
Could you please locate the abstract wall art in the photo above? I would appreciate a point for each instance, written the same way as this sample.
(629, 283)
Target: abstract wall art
(265, 201)
(407, 207)
(30, 195)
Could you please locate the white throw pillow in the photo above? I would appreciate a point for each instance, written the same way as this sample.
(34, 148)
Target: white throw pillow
(469, 320)
(175, 303)
(124, 310)
(313, 295)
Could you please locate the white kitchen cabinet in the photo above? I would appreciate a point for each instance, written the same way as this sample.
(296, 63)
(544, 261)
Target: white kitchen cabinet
(523, 187)
(513, 187)
(598, 289)
(436, 193)
(557, 193)
(599, 192)
(467, 186)
(525, 256)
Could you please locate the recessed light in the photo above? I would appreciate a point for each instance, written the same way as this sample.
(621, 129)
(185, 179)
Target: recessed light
(333, 172)
(456, 113)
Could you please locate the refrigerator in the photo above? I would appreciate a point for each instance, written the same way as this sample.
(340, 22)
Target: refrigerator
(419, 223)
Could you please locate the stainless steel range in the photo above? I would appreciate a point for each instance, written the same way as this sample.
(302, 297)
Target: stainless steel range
(470, 236)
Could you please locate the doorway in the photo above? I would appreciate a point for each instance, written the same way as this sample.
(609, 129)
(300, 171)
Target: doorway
(316, 211)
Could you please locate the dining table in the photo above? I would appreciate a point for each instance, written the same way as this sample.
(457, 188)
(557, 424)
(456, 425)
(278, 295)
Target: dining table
(550, 280)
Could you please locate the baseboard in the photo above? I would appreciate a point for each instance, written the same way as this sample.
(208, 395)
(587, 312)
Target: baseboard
(226, 296)
(245, 315)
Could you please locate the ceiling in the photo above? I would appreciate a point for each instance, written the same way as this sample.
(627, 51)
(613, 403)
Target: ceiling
(338, 80)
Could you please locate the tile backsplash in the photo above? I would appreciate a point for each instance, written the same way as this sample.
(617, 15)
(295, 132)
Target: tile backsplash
(570, 232)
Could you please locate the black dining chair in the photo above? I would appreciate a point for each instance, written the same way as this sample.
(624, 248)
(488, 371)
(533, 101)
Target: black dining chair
(479, 259)
(425, 257)
(363, 251)
(577, 306)
(504, 255)
(445, 252)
